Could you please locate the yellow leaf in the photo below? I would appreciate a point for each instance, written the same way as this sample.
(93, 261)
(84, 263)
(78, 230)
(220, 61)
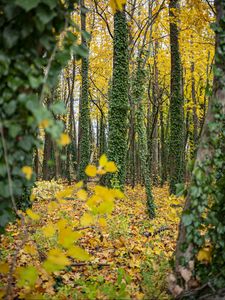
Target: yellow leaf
(52, 206)
(64, 139)
(67, 237)
(82, 194)
(44, 123)
(62, 224)
(110, 167)
(102, 222)
(118, 194)
(101, 171)
(64, 193)
(27, 276)
(48, 230)
(32, 214)
(103, 160)
(4, 268)
(91, 171)
(204, 254)
(56, 256)
(27, 171)
(105, 207)
(30, 249)
(78, 253)
(79, 184)
(2, 293)
(86, 219)
(32, 197)
(117, 4)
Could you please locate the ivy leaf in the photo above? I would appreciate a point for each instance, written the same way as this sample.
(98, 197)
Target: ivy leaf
(28, 4)
(187, 218)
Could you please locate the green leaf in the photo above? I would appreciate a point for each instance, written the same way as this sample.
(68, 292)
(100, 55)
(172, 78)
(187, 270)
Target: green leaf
(14, 130)
(26, 143)
(86, 35)
(187, 218)
(50, 3)
(35, 82)
(58, 108)
(45, 15)
(10, 37)
(10, 107)
(27, 4)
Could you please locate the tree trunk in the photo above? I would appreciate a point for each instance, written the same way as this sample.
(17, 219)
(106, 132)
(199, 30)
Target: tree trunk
(84, 126)
(207, 166)
(118, 108)
(176, 105)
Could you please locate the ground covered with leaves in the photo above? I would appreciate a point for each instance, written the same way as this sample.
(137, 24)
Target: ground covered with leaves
(129, 254)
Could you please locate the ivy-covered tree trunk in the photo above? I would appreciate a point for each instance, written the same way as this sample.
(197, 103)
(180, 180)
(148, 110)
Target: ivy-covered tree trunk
(163, 149)
(102, 135)
(176, 105)
(140, 128)
(84, 120)
(202, 226)
(118, 108)
(28, 39)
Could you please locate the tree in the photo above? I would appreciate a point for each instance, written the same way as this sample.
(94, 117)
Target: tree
(29, 44)
(84, 121)
(204, 250)
(176, 104)
(118, 107)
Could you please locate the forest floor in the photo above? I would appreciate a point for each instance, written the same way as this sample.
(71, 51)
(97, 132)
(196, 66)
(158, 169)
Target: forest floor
(131, 255)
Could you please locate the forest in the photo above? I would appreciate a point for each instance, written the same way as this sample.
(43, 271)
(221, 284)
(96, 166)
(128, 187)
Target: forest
(112, 149)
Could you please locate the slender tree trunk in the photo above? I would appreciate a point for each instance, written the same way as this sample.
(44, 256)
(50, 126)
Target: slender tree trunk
(48, 148)
(138, 92)
(176, 145)
(118, 108)
(84, 121)
(206, 153)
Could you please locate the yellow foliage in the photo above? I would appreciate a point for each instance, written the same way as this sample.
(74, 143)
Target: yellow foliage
(32, 214)
(58, 258)
(117, 4)
(30, 249)
(48, 230)
(4, 268)
(110, 167)
(91, 170)
(86, 219)
(82, 194)
(27, 171)
(103, 160)
(205, 254)
(78, 253)
(64, 139)
(44, 123)
(79, 184)
(67, 237)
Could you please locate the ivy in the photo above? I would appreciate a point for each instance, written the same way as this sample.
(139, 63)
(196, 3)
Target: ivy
(203, 220)
(118, 108)
(29, 44)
